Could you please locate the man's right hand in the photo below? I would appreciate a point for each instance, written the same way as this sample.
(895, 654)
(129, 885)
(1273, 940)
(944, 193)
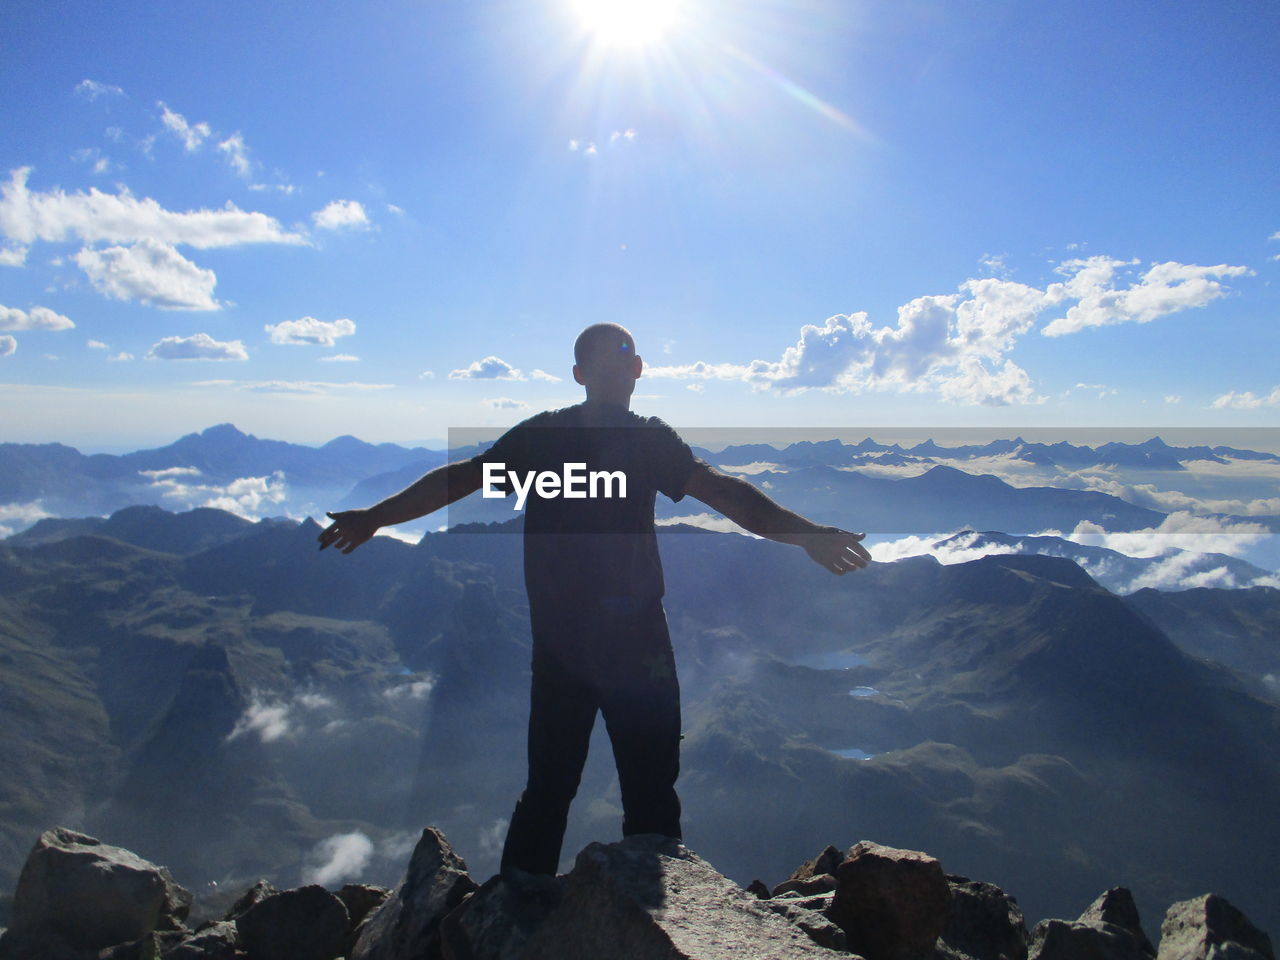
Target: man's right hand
(349, 529)
(838, 550)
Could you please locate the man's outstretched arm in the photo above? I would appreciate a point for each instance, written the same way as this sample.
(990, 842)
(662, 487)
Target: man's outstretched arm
(838, 550)
(434, 490)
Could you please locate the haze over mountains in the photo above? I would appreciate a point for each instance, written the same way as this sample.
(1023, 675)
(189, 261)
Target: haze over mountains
(221, 697)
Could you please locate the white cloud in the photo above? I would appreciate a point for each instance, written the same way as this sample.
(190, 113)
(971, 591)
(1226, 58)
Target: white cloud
(706, 521)
(944, 547)
(13, 256)
(1163, 289)
(1180, 530)
(8, 346)
(490, 368)
(1247, 400)
(300, 387)
(150, 272)
(96, 345)
(411, 690)
(199, 346)
(342, 857)
(15, 517)
(248, 497)
(237, 154)
(120, 357)
(56, 216)
(169, 473)
(37, 318)
(1172, 398)
(493, 837)
(309, 330)
(340, 358)
(93, 89)
(427, 375)
(269, 720)
(341, 214)
(1148, 495)
(506, 403)
(537, 374)
(191, 135)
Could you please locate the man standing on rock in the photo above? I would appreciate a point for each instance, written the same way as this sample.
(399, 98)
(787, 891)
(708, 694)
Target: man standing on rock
(589, 475)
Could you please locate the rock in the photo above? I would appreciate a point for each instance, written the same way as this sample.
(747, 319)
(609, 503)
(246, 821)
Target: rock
(94, 895)
(308, 923)
(649, 898)
(1117, 907)
(1210, 926)
(815, 876)
(1073, 940)
(254, 895)
(406, 923)
(810, 917)
(498, 919)
(759, 889)
(39, 945)
(892, 904)
(217, 941)
(984, 923)
(361, 899)
(151, 947)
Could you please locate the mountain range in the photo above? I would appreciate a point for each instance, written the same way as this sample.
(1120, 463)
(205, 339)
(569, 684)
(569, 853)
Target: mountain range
(223, 698)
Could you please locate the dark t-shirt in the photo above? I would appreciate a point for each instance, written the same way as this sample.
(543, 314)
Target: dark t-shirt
(601, 548)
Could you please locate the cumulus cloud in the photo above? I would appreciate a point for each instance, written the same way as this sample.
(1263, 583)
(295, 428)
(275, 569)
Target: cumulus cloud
(120, 357)
(248, 497)
(37, 318)
(1247, 400)
(96, 345)
(1163, 289)
(237, 154)
(92, 89)
(341, 214)
(411, 690)
(956, 344)
(342, 857)
(506, 403)
(8, 346)
(490, 368)
(15, 517)
(199, 346)
(150, 272)
(537, 374)
(13, 256)
(309, 330)
(191, 135)
(55, 216)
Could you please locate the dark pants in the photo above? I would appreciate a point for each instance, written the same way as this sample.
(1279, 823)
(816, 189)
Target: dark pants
(619, 662)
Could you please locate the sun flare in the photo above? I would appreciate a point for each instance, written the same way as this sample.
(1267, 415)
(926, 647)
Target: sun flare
(634, 23)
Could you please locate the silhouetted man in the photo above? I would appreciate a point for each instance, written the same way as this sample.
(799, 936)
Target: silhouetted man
(594, 579)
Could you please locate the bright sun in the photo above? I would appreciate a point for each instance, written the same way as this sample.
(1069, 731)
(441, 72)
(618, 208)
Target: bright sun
(627, 22)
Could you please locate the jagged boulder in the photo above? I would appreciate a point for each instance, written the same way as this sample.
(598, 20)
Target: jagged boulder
(650, 898)
(813, 877)
(1210, 926)
(1118, 908)
(892, 904)
(498, 920)
(216, 941)
(1109, 929)
(984, 923)
(254, 895)
(405, 926)
(308, 923)
(92, 895)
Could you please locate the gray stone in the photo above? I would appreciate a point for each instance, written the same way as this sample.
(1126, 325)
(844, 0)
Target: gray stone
(1192, 929)
(809, 916)
(1068, 940)
(405, 926)
(498, 920)
(254, 895)
(649, 898)
(814, 876)
(1118, 908)
(984, 922)
(153, 946)
(892, 904)
(308, 923)
(361, 899)
(217, 941)
(94, 895)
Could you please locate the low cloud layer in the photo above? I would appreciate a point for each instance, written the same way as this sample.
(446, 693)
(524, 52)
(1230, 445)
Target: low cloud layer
(248, 497)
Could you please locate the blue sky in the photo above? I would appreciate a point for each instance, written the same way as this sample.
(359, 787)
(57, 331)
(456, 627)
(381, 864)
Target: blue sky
(390, 219)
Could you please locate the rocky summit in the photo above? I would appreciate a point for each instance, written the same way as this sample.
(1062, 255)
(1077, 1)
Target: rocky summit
(644, 898)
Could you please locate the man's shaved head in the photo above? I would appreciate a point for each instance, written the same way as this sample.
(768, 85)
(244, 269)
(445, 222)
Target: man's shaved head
(601, 340)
